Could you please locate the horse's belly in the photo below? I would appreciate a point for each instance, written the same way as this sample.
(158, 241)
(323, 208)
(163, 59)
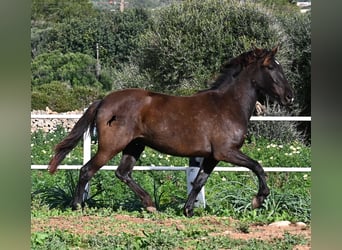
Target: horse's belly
(179, 145)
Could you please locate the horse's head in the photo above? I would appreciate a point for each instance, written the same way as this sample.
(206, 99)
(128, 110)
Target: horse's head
(269, 76)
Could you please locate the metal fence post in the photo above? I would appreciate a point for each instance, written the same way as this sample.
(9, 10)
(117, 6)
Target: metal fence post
(191, 173)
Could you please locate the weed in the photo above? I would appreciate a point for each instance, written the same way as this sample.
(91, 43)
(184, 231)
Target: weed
(242, 227)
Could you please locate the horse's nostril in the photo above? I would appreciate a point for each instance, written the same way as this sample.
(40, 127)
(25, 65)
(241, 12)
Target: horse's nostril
(289, 98)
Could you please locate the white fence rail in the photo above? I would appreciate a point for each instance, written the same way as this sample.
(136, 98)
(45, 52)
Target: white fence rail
(87, 148)
(190, 171)
(253, 118)
(168, 168)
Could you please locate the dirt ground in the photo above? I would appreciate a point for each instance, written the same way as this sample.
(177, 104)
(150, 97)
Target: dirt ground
(123, 223)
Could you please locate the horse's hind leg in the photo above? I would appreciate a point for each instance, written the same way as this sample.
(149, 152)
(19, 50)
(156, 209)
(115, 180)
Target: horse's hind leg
(207, 167)
(124, 172)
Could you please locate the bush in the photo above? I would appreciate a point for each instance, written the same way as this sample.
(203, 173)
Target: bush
(297, 47)
(129, 76)
(74, 68)
(83, 96)
(280, 131)
(55, 95)
(189, 41)
(115, 32)
(60, 97)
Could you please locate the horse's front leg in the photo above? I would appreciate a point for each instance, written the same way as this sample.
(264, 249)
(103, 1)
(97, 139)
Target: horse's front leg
(238, 158)
(206, 168)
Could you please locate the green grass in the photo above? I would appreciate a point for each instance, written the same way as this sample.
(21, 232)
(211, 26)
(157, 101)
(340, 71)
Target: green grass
(140, 230)
(227, 193)
(165, 238)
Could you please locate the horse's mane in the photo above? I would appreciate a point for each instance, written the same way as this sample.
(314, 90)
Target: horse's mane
(232, 68)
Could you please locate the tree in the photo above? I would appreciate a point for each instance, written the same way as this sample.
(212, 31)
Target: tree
(115, 33)
(57, 11)
(76, 69)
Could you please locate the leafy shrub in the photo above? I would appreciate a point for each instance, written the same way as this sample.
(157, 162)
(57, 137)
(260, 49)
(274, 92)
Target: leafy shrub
(83, 96)
(60, 97)
(39, 100)
(73, 68)
(127, 27)
(297, 46)
(55, 95)
(129, 76)
(280, 131)
(115, 32)
(189, 41)
(58, 11)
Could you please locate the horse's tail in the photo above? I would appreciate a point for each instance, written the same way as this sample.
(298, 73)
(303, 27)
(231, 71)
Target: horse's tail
(64, 147)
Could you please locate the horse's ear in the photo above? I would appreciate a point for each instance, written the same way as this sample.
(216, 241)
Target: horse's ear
(267, 58)
(275, 50)
(257, 52)
(271, 54)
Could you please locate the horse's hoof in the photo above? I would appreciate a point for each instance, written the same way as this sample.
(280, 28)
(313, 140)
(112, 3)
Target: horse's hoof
(188, 212)
(257, 201)
(76, 207)
(151, 209)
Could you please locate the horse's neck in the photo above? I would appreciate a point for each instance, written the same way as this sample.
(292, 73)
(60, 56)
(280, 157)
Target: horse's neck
(245, 96)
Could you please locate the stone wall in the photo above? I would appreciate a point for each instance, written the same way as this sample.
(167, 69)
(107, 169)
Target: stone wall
(50, 125)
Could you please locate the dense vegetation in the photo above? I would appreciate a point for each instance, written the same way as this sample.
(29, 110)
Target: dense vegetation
(81, 50)
(171, 49)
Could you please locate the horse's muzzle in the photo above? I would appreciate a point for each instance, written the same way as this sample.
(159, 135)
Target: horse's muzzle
(288, 98)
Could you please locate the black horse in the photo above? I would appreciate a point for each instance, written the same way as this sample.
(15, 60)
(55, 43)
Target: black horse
(211, 124)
